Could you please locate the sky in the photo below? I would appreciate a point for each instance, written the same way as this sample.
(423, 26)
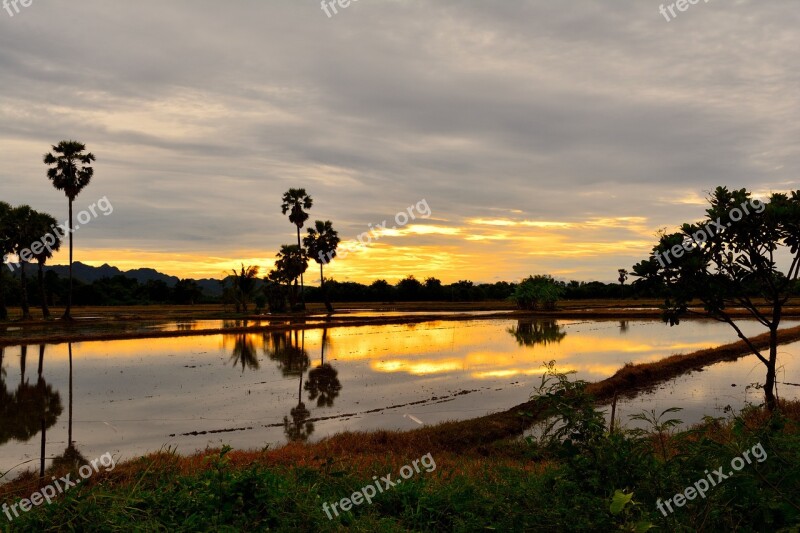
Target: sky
(539, 136)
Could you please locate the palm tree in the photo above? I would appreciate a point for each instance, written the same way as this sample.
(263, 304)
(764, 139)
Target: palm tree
(70, 172)
(321, 244)
(42, 228)
(5, 249)
(245, 283)
(294, 203)
(22, 222)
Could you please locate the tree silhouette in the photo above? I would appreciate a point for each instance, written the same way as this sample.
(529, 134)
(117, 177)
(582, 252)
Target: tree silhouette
(321, 244)
(6, 247)
(69, 172)
(623, 277)
(323, 383)
(729, 260)
(244, 351)
(43, 226)
(22, 222)
(290, 264)
(244, 285)
(295, 202)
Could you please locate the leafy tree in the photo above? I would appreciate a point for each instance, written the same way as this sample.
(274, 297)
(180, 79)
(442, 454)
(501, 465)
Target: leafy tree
(6, 247)
(381, 290)
(295, 202)
(730, 259)
(321, 244)
(291, 263)
(535, 290)
(69, 172)
(409, 289)
(186, 291)
(23, 234)
(44, 232)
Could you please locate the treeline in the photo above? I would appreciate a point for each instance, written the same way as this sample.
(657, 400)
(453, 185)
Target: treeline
(116, 290)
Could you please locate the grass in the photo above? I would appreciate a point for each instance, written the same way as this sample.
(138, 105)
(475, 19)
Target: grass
(509, 485)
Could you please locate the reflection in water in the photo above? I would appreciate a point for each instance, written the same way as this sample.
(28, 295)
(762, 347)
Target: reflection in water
(533, 332)
(285, 348)
(623, 326)
(323, 382)
(31, 408)
(244, 351)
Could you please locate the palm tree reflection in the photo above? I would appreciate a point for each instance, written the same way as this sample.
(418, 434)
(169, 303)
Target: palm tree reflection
(244, 351)
(288, 349)
(323, 383)
(533, 332)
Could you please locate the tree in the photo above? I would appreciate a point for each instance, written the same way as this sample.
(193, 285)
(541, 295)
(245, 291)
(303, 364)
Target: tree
(294, 203)
(6, 247)
(244, 285)
(538, 289)
(44, 233)
(22, 221)
(321, 244)
(623, 277)
(729, 260)
(69, 172)
(291, 263)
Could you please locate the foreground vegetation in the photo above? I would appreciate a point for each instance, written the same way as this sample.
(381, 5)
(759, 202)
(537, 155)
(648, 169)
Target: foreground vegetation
(578, 476)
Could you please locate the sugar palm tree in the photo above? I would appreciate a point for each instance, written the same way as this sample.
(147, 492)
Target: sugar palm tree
(42, 228)
(5, 249)
(69, 172)
(22, 220)
(294, 202)
(321, 244)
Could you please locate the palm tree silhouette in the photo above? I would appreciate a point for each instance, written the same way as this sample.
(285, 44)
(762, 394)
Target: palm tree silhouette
(69, 172)
(323, 382)
(321, 244)
(294, 202)
(43, 226)
(244, 351)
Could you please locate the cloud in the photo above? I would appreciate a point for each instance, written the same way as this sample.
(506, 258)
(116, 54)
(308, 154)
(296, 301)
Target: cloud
(202, 113)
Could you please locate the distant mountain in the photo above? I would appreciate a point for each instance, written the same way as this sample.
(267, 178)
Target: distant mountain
(90, 274)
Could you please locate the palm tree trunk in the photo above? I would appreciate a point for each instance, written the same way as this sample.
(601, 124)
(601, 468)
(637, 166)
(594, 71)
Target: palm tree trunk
(302, 284)
(328, 305)
(43, 293)
(68, 310)
(23, 277)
